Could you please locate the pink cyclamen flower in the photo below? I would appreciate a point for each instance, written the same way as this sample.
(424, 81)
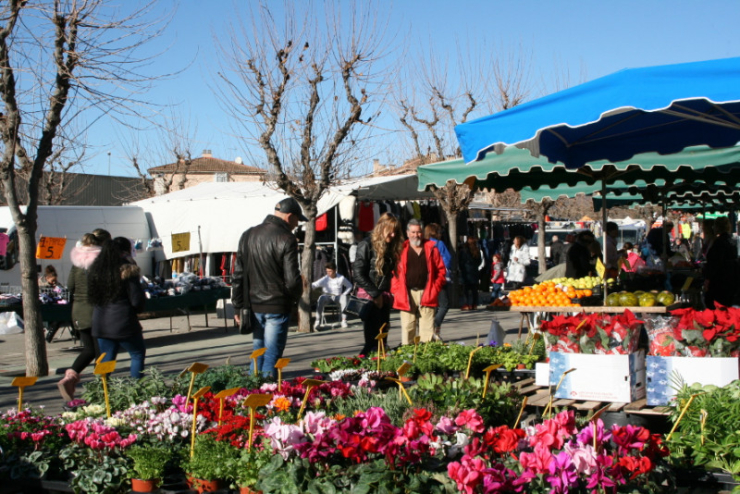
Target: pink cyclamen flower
(471, 420)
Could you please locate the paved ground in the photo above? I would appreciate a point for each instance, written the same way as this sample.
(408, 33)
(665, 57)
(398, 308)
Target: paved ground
(173, 351)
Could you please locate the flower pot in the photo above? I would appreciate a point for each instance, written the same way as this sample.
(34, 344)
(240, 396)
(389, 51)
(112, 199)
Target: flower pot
(139, 485)
(203, 485)
(521, 366)
(248, 490)
(406, 379)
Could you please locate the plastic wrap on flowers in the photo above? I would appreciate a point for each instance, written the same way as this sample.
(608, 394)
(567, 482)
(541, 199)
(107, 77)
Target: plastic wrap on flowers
(662, 336)
(708, 333)
(611, 334)
(562, 333)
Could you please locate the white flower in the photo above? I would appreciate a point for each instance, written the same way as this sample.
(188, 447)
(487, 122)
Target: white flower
(462, 441)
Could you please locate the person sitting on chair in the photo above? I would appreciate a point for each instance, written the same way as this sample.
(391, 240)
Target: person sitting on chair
(336, 289)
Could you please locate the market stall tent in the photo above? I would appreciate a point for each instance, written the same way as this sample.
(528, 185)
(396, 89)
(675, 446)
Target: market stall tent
(215, 214)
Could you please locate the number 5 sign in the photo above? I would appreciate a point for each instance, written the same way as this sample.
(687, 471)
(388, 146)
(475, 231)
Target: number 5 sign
(180, 242)
(50, 248)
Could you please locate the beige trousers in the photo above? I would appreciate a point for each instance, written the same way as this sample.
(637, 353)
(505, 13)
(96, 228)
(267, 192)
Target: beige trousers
(423, 317)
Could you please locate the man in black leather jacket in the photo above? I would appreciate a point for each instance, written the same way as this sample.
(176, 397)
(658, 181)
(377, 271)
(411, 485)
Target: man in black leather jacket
(267, 279)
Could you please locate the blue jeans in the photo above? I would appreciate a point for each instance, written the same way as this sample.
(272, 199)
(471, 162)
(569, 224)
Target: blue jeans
(497, 291)
(271, 331)
(443, 305)
(133, 345)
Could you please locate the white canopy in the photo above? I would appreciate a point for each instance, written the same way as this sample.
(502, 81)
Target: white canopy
(224, 210)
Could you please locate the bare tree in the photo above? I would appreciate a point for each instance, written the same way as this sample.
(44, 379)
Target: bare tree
(59, 60)
(303, 91)
(430, 109)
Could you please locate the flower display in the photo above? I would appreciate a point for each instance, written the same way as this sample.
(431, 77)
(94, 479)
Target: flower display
(696, 333)
(601, 334)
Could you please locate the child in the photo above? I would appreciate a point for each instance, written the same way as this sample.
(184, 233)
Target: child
(497, 277)
(336, 289)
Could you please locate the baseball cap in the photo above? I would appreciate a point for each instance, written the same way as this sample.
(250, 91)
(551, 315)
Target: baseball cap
(290, 205)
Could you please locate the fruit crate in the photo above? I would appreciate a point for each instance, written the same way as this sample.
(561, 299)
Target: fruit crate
(592, 301)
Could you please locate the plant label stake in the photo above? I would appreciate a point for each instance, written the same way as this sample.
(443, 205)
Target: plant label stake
(403, 369)
(595, 419)
(521, 412)
(103, 369)
(703, 422)
(401, 389)
(196, 397)
(535, 337)
(255, 355)
(254, 401)
(381, 347)
(21, 383)
(221, 397)
(417, 339)
(548, 408)
(470, 361)
(309, 383)
(279, 365)
(683, 412)
(194, 369)
(488, 371)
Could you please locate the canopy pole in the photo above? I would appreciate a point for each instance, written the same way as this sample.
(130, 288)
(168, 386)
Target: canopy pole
(603, 233)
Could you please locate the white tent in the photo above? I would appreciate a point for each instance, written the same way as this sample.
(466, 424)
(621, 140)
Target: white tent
(222, 211)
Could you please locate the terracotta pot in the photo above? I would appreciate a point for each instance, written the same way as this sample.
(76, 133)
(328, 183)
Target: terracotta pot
(202, 485)
(521, 366)
(248, 490)
(138, 485)
(406, 379)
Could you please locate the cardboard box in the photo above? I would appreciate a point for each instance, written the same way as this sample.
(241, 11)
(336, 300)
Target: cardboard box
(663, 372)
(608, 378)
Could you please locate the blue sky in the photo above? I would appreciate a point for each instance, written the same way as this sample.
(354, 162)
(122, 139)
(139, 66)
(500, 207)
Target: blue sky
(591, 38)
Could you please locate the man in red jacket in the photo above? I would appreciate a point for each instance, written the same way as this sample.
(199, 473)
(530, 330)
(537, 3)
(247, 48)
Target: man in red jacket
(419, 276)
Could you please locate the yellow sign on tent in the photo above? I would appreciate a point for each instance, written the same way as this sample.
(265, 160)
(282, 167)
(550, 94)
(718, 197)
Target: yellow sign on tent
(180, 242)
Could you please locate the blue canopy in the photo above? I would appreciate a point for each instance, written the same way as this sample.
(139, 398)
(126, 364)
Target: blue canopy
(662, 109)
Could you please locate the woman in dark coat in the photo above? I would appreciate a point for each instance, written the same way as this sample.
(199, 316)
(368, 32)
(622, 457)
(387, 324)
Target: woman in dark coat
(82, 255)
(470, 263)
(721, 273)
(117, 297)
(373, 269)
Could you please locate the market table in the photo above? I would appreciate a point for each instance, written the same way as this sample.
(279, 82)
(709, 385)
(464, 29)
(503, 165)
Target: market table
(62, 313)
(603, 309)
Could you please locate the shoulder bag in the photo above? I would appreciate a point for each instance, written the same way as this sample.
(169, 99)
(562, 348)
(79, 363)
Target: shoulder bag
(358, 303)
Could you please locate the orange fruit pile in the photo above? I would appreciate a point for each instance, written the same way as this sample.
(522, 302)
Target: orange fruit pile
(546, 294)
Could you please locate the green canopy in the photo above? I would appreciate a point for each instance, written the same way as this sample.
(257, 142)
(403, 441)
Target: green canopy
(517, 168)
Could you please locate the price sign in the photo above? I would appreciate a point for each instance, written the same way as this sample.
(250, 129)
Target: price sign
(50, 248)
(180, 242)
(600, 268)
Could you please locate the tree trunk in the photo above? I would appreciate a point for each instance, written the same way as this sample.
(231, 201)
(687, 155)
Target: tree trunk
(541, 252)
(309, 251)
(454, 297)
(36, 364)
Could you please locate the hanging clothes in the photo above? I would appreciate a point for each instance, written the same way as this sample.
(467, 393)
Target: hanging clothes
(366, 219)
(322, 222)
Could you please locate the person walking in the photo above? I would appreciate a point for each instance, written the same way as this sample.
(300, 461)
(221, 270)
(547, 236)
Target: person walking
(375, 261)
(335, 288)
(419, 277)
(115, 291)
(518, 262)
(82, 256)
(433, 233)
(267, 279)
(470, 264)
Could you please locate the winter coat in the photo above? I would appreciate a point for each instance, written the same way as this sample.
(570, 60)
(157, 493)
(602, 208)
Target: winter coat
(117, 320)
(517, 270)
(365, 274)
(435, 278)
(446, 257)
(558, 252)
(82, 310)
(497, 275)
(721, 269)
(469, 266)
(267, 266)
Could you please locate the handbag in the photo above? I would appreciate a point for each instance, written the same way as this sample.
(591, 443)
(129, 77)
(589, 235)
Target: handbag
(245, 320)
(358, 304)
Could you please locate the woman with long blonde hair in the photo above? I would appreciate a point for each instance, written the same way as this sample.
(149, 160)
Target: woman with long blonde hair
(373, 269)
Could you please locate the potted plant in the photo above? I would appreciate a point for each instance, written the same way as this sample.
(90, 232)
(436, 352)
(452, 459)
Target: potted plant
(149, 463)
(208, 467)
(245, 467)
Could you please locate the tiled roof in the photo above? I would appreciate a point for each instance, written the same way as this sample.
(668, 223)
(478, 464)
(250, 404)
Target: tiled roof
(210, 165)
